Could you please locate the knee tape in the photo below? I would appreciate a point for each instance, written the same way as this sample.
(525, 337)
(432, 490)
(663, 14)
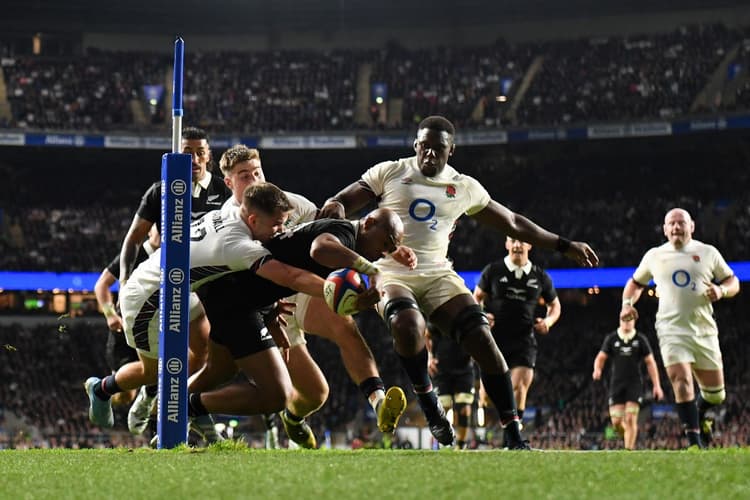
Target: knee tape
(395, 306)
(714, 395)
(446, 400)
(467, 320)
(617, 413)
(464, 398)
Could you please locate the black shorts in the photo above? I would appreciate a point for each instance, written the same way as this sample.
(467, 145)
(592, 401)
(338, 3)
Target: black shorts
(623, 393)
(118, 352)
(454, 382)
(242, 332)
(518, 351)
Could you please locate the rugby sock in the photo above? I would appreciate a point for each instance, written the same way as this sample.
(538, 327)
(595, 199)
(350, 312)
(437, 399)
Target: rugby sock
(374, 390)
(195, 406)
(688, 413)
(152, 390)
(520, 414)
(499, 388)
(106, 388)
(416, 370)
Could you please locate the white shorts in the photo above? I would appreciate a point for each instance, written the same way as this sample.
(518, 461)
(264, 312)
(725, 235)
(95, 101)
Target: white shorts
(702, 351)
(295, 329)
(140, 317)
(431, 289)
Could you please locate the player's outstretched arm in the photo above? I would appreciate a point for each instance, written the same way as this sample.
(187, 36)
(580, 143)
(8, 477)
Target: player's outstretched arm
(350, 199)
(139, 230)
(292, 277)
(519, 227)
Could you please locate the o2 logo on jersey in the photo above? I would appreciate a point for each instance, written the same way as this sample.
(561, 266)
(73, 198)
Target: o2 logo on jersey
(423, 210)
(682, 279)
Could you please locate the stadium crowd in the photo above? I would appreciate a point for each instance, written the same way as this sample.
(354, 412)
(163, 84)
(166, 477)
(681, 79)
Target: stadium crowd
(571, 409)
(655, 76)
(610, 201)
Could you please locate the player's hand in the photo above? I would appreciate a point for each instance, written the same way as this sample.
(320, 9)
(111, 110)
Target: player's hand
(432, 366)
(279, 337)
(658, 393)
(628, 313)
(368, 299)
(490, 319)
(713, 291)
(406, 256)
(284, 308)
(597, 375)
(583, 254)
(114, 323)
(540, 326)
(331, 210)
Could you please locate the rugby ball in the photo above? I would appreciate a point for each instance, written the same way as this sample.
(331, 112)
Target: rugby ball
(341, 290)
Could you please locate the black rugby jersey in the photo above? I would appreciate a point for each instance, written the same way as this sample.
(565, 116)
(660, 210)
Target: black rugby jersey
(625, 357)
(209, 199)
(246, 289)
(513, 300)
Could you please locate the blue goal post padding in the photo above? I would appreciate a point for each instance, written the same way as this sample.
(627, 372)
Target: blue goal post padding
(172, 421)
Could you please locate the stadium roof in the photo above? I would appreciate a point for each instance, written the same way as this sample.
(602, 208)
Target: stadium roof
(259, 16)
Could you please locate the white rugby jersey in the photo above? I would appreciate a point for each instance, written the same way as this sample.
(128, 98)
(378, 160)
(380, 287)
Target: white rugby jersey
(428, 206)
(679, 276)
(303, 210)
(220, 243)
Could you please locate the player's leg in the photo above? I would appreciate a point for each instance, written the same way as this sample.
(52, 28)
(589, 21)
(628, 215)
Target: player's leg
(357, 357)
(198, 339)
(677, 353)
(407, 326)
(617, 416)
(267, 392)
(469, 326)
(462, 412)
(630, 424)
(119, 353)
(521, 377)
(309, 394)
(218, 369)
(709, 373)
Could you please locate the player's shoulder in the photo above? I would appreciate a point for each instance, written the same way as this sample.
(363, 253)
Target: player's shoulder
(300, 203)
(703, 247)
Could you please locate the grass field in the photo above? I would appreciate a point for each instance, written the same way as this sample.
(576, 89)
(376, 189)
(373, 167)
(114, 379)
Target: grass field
(234, 472)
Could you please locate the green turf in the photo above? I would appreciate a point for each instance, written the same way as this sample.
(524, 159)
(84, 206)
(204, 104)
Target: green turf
(372, 474)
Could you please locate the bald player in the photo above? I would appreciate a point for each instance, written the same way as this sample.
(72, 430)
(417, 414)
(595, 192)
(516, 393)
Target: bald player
(690, 276)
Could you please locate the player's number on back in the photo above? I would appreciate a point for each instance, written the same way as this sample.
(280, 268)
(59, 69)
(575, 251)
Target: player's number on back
(423, 210)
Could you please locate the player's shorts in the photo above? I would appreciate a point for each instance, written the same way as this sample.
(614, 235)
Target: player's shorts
(118, 352)
(624, 393)
(702, 352)
(454, 382)
(243, 332)
(140, 317)
(431, 289)
(295, 328)
(518, 352)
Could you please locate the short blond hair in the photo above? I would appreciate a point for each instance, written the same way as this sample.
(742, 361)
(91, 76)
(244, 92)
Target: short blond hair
(237, 154)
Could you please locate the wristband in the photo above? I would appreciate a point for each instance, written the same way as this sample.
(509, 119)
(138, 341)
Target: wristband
(108, 310)
(724, 291)
(364, 266)
(562, 245)
(627, 302)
